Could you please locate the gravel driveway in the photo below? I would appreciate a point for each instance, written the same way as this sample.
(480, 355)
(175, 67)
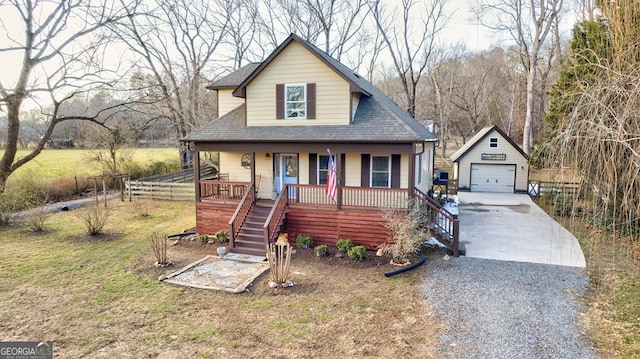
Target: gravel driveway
(502, 309)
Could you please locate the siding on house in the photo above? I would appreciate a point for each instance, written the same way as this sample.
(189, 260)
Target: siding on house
(352, 169)
(230, 163)
(295, 65)
(227, 102)
(513, 156)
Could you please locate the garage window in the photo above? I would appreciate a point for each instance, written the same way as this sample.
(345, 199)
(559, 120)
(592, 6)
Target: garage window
(493, 142)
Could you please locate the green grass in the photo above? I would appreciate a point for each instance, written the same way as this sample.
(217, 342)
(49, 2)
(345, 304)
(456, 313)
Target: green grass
(100, 297)
(55, 163)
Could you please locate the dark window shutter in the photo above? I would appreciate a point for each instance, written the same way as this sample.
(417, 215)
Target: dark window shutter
(313, 168)
(279, 101)
(311, 101)
(365, 170)
(395, 171)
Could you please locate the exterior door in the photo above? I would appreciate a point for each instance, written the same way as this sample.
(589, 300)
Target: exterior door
(493, 178)
(285, 170)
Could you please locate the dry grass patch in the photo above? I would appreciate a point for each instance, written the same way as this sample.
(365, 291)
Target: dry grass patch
(612, 314)
(101, 299)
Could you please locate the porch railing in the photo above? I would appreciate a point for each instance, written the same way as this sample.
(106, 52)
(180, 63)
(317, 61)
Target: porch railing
(308, 194)
(275, 216)
(374, 197)
(241, 213)
(445, 225)
(351, 196)
(222, 190)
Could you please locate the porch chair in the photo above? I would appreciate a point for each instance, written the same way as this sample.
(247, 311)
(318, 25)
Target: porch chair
(223, 177)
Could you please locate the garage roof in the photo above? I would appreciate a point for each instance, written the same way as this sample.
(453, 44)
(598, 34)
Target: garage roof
(481, 135)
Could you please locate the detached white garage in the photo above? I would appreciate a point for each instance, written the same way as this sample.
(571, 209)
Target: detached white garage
(491, 162)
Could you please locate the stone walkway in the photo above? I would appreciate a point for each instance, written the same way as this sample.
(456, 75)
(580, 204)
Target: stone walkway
(233, 273)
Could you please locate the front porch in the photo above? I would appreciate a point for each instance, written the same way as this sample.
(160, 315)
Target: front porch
(306, 209)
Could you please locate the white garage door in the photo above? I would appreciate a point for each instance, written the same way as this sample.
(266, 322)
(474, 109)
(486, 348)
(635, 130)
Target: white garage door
(493, 178)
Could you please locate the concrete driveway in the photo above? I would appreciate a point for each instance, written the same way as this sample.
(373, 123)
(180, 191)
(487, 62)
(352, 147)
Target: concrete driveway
(512, 227)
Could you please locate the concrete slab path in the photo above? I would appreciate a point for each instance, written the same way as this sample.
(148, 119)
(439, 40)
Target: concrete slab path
(512, 227)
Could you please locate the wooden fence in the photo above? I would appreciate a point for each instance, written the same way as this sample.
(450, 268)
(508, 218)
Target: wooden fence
(181, 176)
(541, 188)
(161, 190)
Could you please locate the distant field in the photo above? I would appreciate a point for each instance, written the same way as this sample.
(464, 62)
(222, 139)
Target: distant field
(55, 163)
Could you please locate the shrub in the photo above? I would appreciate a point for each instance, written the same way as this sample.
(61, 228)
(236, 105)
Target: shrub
(358, 253)
(159, 245)
(322, 250)
(344, 245)
(141, 207)
(37, 218)
(94, 219)
(406, 233)
(9, 203)
(204, 238)
(563, 205)
(222, 236)
(304, 241)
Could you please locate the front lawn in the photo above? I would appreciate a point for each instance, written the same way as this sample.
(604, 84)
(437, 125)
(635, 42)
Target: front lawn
(100, 297)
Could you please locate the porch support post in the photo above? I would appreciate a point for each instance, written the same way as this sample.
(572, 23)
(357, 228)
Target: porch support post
(196, 172)
(253, 172)
(412, 174)
(338, 159)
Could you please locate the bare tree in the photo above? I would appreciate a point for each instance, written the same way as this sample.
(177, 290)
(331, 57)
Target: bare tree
(528, 23)
(242, 33)
(341, 22)
(62, 52)
(586, 10)
(176, 41)
(410, 39)
(336, 26)
(283, 17)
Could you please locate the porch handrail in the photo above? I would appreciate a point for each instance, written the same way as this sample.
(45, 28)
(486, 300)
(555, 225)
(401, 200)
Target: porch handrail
(374, 197)
(241, 213)
(445, 224)
(276, 214)
(351, 196)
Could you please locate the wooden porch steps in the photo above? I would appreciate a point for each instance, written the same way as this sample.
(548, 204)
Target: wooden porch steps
(250, 239)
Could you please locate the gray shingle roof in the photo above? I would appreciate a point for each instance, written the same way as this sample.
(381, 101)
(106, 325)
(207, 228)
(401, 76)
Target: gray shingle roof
(235, 78)
(371, 124)
(377, 118)
(473, 141)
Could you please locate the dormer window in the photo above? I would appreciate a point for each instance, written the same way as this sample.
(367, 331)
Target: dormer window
(296, 101)
(493, 142)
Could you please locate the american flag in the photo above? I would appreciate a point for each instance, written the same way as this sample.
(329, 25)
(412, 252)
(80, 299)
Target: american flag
(331, 189)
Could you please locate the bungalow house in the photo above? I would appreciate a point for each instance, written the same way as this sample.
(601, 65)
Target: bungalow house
(277, 122)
